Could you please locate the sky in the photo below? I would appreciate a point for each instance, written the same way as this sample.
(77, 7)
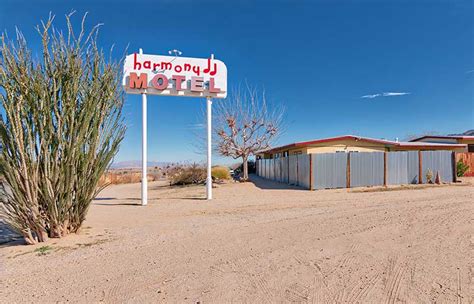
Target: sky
(381, 69)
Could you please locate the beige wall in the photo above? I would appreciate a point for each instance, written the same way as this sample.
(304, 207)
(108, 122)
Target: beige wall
(346, 148)
(343, 146)
(359, 146)
(428, 149)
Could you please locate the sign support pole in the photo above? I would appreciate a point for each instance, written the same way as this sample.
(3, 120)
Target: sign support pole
(209, 148)
(144, 148)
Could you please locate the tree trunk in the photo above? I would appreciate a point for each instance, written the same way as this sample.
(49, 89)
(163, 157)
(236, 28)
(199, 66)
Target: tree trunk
(246, 169)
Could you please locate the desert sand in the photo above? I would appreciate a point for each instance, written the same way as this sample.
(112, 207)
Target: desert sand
(256, 243)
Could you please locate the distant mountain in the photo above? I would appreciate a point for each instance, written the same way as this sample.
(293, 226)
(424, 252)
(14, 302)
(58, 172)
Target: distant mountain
(467, 133)
(137, 164)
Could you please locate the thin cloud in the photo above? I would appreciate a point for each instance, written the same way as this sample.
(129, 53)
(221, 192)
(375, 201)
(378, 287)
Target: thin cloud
(395, 93)
(371, 96)
(197, 126)
(385, 94)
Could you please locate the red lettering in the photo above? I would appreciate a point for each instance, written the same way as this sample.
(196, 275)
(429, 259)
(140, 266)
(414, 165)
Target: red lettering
(156, 82)
(156, 66)
(147, 64)
(136, 65)
(178, 68)
(197, 84)
(187, 67)
(178, 80)
(208, 69)
(212, 86)
(166, 65)
(138, 82)
(196, 69)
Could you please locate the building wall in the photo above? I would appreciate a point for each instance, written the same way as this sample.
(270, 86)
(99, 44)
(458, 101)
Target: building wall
(339, 146)
(469, 142)
(347, 147)
(439, 140)
(358, 146)
(418, 148)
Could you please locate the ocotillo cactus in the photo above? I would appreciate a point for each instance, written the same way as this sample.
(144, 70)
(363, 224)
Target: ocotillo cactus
(61, 127)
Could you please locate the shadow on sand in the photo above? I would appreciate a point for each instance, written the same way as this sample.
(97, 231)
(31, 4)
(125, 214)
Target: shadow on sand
(267, 184)
(8, 237)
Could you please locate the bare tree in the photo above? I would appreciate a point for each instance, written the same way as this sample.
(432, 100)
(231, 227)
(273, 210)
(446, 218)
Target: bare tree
(246, 124)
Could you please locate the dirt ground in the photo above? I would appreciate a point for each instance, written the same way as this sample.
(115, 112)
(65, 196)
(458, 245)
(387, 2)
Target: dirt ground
(257, 243)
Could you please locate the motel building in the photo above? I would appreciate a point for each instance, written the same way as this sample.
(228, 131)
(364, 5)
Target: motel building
(352, 161)
(453, 139)
(351, 143)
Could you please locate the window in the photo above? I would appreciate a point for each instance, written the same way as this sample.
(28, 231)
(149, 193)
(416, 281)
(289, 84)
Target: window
(470, 148)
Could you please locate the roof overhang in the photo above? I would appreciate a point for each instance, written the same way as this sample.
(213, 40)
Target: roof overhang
(442, 137)
(386, 143)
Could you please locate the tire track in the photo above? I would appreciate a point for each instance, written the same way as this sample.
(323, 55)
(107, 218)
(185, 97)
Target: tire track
(394, 282)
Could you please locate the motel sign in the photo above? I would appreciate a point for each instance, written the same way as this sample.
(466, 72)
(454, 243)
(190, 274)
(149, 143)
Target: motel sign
(174, 76)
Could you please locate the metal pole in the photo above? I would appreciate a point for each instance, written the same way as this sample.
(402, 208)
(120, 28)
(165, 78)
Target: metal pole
(144, 148)
(209, 149)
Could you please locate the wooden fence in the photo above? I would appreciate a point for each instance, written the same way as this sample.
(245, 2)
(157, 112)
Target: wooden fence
(468, 159)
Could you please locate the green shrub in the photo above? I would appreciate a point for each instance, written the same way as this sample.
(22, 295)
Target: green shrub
(462, 168)
(220, 172)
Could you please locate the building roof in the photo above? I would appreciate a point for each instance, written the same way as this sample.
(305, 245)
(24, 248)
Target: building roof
(388, 143)
(443, 137)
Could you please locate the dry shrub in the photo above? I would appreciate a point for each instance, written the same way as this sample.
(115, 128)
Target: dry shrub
(220, 172)
(187, 174)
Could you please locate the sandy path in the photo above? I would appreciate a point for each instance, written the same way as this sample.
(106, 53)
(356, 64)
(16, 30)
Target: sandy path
(257, 244)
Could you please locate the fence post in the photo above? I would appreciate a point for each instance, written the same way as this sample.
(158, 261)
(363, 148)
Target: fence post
(348, 171)
(385, 168)
(420, 167)
(310, 171)
(455, 167)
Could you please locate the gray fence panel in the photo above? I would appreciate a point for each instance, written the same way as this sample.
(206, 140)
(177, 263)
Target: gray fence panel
(437, 161)
(278, 170)
(265, 171)
(397, 168)
(284, 170)
(412, 170)
(303, 170)
(271, 169)
(329, 170)
(293, 169)
(366, 169)
(267, 168)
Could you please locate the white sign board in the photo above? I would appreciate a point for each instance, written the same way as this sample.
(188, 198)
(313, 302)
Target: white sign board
(175, 76)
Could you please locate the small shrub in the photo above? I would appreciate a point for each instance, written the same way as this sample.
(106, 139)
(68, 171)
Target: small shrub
(461, 168)
(43, 250)
(188, 175)
(220, 172)
(429, 176)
